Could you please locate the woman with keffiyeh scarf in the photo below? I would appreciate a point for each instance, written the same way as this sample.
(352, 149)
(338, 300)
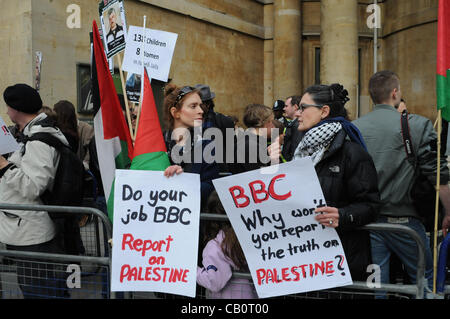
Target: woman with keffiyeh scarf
(346, 171)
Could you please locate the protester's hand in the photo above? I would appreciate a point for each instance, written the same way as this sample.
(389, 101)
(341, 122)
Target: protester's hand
(274, 151)
(327, 216)
(445, 224)
(171, 170)
(3, 162)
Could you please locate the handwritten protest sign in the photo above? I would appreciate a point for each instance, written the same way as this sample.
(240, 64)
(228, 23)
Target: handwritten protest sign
(8, 143)
(155, 234)
(158, 47)
(272, 213)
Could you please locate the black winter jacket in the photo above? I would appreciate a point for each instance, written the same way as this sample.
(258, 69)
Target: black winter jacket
(207, 171)
(251, 152)
(291, 139)
(349, 182)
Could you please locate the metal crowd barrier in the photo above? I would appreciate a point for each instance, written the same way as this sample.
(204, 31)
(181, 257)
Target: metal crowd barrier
(26, 274)
(96, 283)
(416, 290)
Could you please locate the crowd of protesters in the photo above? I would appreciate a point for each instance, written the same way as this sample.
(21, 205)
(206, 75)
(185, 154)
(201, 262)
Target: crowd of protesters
(362, 169)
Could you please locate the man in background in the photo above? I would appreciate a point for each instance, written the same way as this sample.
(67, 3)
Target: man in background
(382, 132)
(292, 135)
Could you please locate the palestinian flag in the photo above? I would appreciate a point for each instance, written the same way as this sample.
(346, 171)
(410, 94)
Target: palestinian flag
(149, 150)
(112, 135)
(443, 59)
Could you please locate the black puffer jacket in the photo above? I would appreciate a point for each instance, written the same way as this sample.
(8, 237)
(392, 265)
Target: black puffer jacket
(349, 182)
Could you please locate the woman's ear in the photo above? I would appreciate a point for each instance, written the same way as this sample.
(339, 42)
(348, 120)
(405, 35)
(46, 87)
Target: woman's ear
(325, 111)
(174, 112)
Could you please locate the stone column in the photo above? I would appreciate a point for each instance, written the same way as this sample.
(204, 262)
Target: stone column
(339, 47)
(15, 47)
(268, 56)
(287, 47)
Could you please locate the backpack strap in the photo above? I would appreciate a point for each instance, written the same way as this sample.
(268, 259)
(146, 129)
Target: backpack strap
(46, 138)
(407, 142)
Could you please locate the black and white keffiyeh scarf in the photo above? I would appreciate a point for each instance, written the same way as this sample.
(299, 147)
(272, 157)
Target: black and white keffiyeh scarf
(316, 141)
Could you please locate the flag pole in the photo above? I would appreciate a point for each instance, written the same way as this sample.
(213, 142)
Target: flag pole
(124, 89)
(142, 78)
(436, 214)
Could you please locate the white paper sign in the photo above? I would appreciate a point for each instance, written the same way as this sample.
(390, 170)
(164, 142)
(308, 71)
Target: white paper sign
(155, 233)
(8, 143)
(158, 49)
(272, 213)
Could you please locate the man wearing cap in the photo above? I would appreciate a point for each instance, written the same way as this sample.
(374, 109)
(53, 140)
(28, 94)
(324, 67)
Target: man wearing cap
(217, 120)
(293, 135)
(26, 175)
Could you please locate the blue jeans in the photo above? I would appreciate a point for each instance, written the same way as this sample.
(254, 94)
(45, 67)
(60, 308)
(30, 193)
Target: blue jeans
(385, 243)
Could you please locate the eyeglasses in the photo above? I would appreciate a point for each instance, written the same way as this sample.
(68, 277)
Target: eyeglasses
(183, 91)
(303, 106)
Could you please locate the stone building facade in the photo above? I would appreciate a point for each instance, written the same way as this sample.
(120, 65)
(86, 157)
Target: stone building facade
(248, 51)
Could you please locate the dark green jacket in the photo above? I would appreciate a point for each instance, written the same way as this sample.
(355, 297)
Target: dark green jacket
(381, 130)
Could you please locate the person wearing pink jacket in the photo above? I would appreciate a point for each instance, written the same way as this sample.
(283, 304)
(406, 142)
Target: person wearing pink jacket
(221, 256)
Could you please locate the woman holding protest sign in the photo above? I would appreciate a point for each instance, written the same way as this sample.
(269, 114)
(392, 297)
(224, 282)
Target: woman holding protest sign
(185, 146)
(345, 170)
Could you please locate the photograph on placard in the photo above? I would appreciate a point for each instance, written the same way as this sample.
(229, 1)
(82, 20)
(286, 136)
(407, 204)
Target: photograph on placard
(37, 76)
(133, 87)
(113, 22)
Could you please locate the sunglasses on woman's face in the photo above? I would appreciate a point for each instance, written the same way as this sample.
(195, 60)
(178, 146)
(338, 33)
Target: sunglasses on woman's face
(303, 106)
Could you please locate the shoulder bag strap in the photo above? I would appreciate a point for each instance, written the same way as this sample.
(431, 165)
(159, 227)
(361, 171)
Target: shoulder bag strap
(407, 142)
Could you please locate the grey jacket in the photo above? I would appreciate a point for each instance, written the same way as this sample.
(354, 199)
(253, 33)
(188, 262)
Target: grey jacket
(32, 173)
(381, 130)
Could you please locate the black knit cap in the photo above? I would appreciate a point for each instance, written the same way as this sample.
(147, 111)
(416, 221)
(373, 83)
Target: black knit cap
(23, 98)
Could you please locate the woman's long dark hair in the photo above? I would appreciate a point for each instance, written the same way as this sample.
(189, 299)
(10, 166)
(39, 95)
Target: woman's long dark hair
(333, 95)
(66, 120)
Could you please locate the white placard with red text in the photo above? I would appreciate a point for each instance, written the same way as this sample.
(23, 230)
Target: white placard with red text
(8, 143)
(155, 232)
(272, 213)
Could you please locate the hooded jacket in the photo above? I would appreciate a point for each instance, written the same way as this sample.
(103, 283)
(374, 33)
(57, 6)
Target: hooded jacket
(216, 273)
(31, 172)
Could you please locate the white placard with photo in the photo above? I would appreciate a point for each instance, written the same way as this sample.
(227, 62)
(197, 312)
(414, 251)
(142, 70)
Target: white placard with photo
(114, 26)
